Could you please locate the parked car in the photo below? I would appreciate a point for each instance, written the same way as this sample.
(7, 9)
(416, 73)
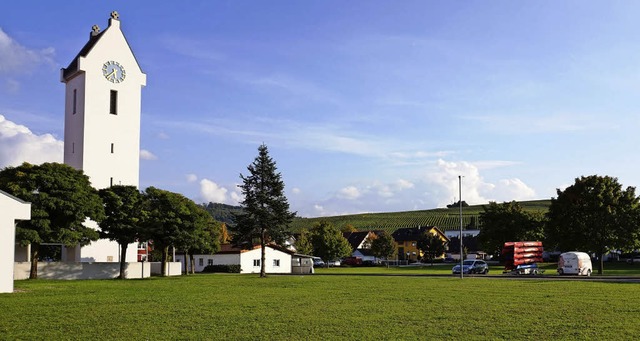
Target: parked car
(318, 262)
(334, 262)
(353, 261)
(471, 266)
(634, 259)
(574, 263)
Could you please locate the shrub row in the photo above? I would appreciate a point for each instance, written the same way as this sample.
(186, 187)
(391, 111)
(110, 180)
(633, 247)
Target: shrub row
(227, 268)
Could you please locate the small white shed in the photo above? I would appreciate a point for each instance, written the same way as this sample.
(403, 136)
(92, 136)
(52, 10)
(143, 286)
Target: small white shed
(277, 259)
(11, 209)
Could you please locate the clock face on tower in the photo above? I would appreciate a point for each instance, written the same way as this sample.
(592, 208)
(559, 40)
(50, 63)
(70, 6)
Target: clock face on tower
(113, 72)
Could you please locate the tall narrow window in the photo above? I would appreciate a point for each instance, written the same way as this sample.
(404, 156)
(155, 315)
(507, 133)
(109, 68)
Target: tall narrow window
(73, 147)
(112, 148)
(113, 103)
(75, 100)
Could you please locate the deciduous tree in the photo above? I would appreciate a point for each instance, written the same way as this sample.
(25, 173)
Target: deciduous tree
(431, 245)
(594, 215)
(123, 218)
(61, 200)
(328, 242)
(384, 246)
(303, 244)
(267, 216)
(508, 222)
(168, 221)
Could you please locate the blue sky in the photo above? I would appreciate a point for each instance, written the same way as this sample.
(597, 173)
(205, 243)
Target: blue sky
(366, 106)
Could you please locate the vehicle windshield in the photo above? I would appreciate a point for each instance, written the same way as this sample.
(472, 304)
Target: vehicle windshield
(468, 262)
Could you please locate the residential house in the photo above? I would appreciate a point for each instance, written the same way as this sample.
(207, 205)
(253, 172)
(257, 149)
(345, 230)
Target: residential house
(407, 241)
(360, 242)
(277, 259)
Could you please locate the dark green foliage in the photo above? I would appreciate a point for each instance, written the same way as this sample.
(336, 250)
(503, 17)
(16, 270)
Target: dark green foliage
(431, 245)
(594, 215)
(173, 220)
(223, 212)
(383, 246)
(328, 243)
(266, 216)
(61, 200)
(457, 204)
(508, 222)
(224, 268)
(123, 217)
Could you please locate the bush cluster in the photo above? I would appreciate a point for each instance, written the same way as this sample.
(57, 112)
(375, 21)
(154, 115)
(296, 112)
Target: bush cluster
(226, 268)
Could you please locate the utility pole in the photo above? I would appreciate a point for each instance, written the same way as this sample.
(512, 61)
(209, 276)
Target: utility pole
(460, 203)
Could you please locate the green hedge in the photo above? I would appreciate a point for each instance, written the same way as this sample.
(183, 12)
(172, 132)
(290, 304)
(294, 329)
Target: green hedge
(227, 268)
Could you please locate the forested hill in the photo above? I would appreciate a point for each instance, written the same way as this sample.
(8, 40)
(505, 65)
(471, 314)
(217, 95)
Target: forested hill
(444, 218)
(222, 212)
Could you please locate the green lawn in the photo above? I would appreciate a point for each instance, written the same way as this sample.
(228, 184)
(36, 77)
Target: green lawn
(235, 307)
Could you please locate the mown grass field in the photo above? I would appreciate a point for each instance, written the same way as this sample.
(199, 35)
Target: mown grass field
(243, 307)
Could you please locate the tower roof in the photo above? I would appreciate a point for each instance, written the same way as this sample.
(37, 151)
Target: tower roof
(94, 37)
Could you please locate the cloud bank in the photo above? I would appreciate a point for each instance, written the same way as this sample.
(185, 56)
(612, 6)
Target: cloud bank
(18, 144)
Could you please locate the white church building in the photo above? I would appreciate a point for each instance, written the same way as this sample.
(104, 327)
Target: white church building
(102, 126)
(102, 123)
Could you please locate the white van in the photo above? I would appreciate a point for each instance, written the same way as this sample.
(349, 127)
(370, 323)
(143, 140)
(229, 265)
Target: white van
(574, 263)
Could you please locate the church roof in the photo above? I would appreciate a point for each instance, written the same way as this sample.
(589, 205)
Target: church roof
(73, 66)
(93, 40)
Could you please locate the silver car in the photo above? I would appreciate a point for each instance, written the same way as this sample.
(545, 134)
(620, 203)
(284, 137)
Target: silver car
(472, 266)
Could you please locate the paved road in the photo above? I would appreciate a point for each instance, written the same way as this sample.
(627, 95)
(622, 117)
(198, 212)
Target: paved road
(615, 279)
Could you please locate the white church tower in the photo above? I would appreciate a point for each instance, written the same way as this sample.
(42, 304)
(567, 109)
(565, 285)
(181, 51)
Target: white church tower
(102, 121)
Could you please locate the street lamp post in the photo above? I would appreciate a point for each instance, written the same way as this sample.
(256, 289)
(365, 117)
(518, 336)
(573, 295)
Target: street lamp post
(460, 203)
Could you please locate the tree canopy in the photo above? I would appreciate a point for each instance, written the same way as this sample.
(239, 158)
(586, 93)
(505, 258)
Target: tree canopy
(266, 216)
(123, 218)
(61, 200)
(383, 246)
(328, 243)
(508, 222)
(169, 220)
(594, 215)
(431, 245)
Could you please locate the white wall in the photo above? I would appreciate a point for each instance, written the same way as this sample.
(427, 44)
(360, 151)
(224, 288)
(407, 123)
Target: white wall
(73, 271)
(245, 259)
(248, 257)
(11, 209)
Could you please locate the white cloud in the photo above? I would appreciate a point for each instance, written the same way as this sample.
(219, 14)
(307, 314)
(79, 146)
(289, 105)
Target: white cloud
(513, 189)
(212, 192)
(16, 58)
(349, 193)
(18, 144)
(443, 184)
(192, 178)
(147, 155)
(296, 190)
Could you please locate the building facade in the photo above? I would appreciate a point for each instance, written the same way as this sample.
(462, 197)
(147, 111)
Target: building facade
(102, 122)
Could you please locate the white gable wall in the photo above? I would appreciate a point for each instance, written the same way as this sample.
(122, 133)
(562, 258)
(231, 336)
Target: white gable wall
(245, 259)
(248, 257)
(11, 209)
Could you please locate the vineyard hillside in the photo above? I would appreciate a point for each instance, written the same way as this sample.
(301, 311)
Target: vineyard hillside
(444, 218)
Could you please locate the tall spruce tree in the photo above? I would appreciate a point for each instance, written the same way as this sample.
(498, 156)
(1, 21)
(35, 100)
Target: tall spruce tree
(266, 216)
